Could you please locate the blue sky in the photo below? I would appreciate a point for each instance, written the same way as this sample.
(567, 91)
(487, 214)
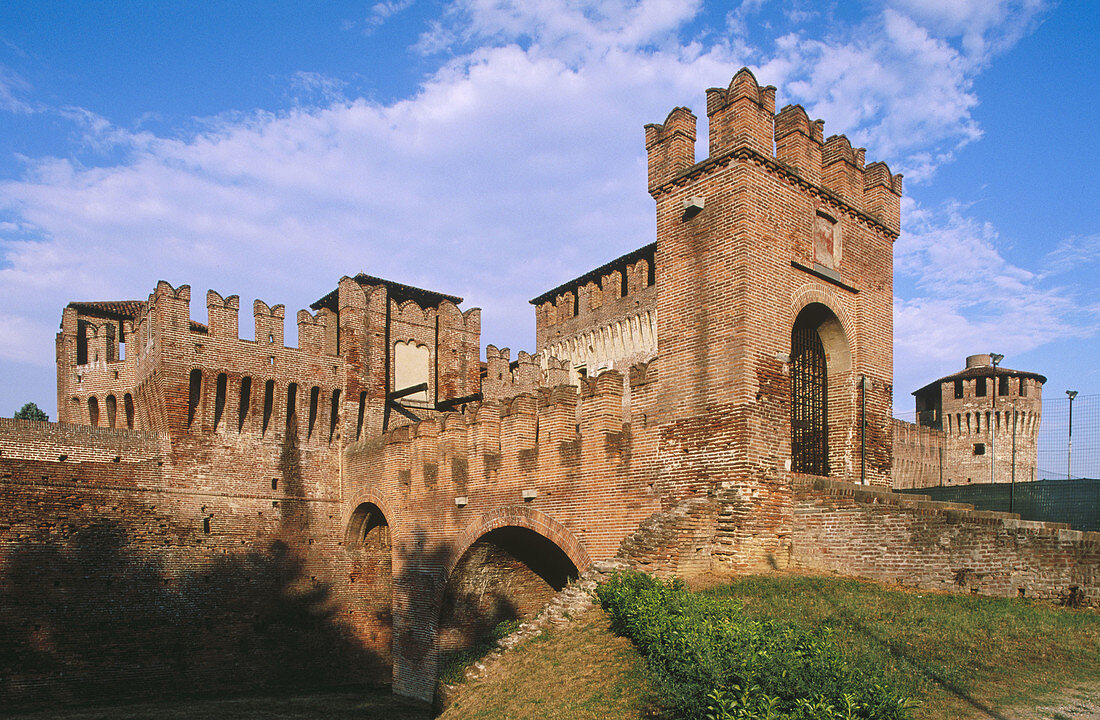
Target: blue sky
(494, 149)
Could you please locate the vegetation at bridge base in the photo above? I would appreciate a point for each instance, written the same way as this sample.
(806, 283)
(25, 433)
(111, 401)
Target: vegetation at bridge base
(709, 661)
(960, 655)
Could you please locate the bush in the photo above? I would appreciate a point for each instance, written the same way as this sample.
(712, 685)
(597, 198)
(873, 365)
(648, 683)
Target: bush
(709, 662)
(30, 411)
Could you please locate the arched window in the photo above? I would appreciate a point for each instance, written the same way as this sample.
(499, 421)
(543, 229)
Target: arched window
(112, 410)
(242, 406)
(269, 404)
(128, 405)
(220, 387)
(809, 399)
(335, 417)
(314, 400)
(292, 405)
(411, 367)
(93, 411)
(194, 395)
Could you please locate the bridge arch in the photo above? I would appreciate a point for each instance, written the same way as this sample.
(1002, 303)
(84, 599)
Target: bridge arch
(504, 569)
(523, 517)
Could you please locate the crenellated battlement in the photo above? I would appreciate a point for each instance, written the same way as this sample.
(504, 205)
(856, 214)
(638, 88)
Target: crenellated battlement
(670, 145)
(742, 114)
(743, 120)
(529, 438)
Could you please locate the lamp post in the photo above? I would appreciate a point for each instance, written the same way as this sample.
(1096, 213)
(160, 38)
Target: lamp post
(995, 359)
(1069, 444)
(1012, 486)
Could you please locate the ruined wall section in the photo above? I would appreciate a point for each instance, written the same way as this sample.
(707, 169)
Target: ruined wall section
(909, 539)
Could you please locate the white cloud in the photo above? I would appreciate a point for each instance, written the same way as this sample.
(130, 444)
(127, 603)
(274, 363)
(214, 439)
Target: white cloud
(521, 157)
(983, 27)
(13, 89)
(314, 87)
(968, 298)
(1073, 253)
(572, 31)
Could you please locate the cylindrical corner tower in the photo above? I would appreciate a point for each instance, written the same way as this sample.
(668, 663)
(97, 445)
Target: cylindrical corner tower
(990, 419)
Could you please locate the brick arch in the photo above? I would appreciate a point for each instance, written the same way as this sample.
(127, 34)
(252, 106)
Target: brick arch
(369, 496)
(524, 517)
(810, 294)
(514, 516)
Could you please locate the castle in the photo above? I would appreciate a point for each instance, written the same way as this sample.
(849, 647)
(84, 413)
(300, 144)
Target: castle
(220, 513)
(979, 425)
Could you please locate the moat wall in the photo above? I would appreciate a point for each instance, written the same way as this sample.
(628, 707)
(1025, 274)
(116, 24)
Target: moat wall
(142, 573)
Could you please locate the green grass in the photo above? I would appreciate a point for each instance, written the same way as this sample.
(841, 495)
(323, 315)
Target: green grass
(957, 654)
(580, 671)
(708, 660)
(960, 656)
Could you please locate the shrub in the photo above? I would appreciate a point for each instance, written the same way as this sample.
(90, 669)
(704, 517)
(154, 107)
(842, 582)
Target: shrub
(30, 411)
(709, 662)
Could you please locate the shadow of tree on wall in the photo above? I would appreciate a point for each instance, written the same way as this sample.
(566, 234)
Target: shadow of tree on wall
(98, 612)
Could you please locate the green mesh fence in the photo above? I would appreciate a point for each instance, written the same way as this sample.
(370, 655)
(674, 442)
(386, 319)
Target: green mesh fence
(1076, 502)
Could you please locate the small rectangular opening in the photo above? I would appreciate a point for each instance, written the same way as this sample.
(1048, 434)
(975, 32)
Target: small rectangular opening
(291, 404)
(979, 448)
(109, 331)
(362, 409)
(335, 414)
(82, 342)
(314, 396)
(269, 404)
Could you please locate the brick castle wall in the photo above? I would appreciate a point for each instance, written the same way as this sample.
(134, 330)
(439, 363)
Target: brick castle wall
(237, 540)
(911, 540)
(141, 566)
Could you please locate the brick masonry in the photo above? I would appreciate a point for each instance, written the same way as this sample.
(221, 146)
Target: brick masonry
(979, 425)
(219, 513)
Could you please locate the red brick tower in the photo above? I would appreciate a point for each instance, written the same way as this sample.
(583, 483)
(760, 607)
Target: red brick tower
(774, 309)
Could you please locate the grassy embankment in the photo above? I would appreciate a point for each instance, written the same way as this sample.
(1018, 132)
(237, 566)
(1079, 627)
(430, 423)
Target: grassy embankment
(956, 655)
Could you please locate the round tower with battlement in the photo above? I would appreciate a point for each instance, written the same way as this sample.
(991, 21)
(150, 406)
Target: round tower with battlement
(990, 420)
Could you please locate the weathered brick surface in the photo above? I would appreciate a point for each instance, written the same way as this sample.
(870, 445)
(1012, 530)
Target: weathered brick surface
(946, 546)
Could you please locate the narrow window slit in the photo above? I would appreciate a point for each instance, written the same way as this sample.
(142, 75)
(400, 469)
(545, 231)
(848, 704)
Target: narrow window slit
(219, 399)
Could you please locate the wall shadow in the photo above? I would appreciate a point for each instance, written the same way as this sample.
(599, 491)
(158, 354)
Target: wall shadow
(105, 610)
